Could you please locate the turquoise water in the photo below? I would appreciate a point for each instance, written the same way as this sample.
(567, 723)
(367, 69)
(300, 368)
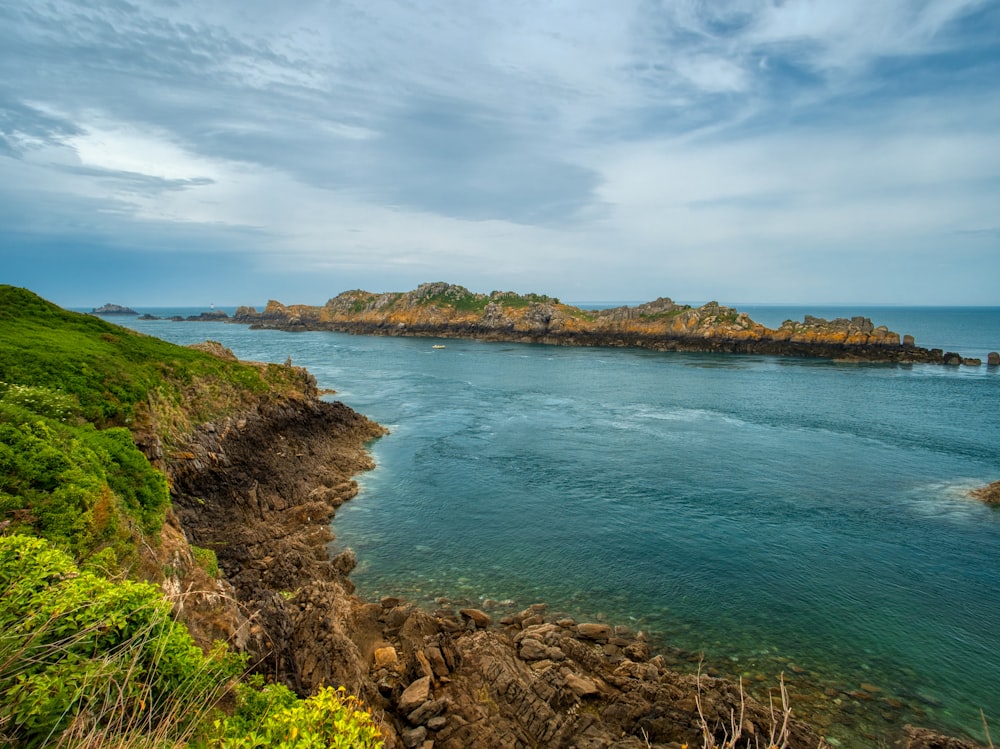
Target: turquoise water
(774, 515)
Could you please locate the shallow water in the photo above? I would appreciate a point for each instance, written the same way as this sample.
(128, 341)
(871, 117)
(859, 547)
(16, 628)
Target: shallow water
(773, 515)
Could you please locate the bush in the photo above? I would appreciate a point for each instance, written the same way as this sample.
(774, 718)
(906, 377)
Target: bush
(271, 717)
(85, 660)
(80, 487)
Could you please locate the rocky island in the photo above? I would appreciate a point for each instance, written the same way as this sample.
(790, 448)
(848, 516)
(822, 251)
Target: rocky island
(113, 309)
(447, 311)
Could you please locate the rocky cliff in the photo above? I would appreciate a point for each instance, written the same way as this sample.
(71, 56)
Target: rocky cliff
(448, 311)
(259, 488)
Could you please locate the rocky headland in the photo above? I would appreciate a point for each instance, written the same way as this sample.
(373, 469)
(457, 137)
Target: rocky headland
(447, 311)
(259, 488)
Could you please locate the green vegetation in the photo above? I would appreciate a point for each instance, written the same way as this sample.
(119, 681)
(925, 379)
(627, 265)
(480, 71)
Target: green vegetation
(84, 489)
(206, 559)
(85, 660)
(112, 373)
(271, 716)
(87, 657)
(458, 299)
(515, 301)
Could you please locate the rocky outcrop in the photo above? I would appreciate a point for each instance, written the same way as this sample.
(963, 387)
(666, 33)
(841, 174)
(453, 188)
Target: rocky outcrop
(448, 311)
(989, 494)
(215, 315)
(113, 309)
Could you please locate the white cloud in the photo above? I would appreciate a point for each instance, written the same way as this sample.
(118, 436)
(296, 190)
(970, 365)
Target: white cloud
(851, 33)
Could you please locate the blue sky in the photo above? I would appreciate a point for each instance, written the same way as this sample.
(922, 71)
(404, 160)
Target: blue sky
(800, 151)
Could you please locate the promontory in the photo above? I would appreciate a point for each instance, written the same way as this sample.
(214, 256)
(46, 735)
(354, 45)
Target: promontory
(444, 310)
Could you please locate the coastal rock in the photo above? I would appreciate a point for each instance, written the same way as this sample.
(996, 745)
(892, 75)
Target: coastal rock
(989, 494)
(921, 738)
(415, 695)
(386, 657)
(597, 632)
(993, 359)
(215, 349)
(477, 617)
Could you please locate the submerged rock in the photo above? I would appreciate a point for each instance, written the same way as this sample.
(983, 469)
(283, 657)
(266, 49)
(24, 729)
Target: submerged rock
(989, 494)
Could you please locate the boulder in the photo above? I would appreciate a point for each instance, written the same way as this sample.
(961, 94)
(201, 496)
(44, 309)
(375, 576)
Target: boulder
(480, 618)
(414, 737)
(415, 695)
(532, 650)
(594, 631)
(993, 359)
(386, 657)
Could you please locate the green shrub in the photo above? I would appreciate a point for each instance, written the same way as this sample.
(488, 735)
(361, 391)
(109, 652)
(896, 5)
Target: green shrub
(80, 487)
(206, 559)
(270, 716)
(85, 660)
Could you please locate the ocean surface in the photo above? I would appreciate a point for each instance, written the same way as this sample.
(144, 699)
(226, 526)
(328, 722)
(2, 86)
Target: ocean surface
(762, 515)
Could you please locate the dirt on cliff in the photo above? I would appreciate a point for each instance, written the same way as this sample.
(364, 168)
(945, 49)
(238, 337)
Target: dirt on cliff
(260, 488)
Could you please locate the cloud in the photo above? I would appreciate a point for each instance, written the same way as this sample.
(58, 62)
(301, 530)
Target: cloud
(623, 145)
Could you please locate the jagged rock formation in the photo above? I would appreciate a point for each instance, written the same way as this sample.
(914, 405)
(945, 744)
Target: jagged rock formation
(448, 311)
(259, 488)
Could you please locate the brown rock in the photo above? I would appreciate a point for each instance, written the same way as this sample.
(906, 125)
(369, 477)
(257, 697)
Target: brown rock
(581, 685)
(386, 657)
(415, 695)
(413, 737)
(593, 631)
(988, 494)
(436, 658)
(424, 713)
(532, 650)
(993, 359)
(480, 618)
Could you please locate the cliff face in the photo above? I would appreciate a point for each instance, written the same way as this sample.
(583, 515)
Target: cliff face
(448, 311)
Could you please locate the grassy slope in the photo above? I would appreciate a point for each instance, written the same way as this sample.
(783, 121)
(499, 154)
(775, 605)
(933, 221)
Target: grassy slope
(71, 388)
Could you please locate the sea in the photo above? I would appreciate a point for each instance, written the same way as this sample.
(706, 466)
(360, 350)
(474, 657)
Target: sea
(763, 518)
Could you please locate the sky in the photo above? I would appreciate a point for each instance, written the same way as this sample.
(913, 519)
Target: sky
(167, 152)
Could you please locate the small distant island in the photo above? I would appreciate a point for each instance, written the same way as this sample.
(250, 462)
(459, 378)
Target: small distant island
(443, 310)
(113, 309)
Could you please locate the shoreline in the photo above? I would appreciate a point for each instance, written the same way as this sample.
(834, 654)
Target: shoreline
(259, 490)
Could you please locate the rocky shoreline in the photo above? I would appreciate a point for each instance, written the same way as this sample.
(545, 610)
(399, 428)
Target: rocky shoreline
(259, 489)
(443, 310)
